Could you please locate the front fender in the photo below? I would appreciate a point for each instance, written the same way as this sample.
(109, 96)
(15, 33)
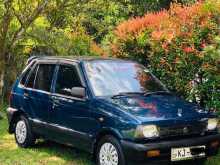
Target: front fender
(103, 132)
(112, 131)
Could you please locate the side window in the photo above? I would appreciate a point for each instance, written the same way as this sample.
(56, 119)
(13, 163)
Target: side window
(26, 73)
(44, 77)
(31, 78)
(24, 76)
(67, 79)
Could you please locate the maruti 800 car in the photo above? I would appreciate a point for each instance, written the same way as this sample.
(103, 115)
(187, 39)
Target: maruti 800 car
(115, 109)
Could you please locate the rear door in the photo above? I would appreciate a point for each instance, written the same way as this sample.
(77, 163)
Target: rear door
(37, 95)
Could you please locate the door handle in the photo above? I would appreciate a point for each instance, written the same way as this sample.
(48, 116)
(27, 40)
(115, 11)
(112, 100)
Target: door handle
(26, 95)
(55, 103)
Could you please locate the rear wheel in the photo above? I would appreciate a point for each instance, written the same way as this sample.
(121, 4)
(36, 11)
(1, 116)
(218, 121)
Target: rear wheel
(23, 134)
(109, 152)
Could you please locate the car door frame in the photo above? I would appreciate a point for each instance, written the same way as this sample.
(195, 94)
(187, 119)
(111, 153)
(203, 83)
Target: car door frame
(39, 126)
(80, 73)
(56, 129)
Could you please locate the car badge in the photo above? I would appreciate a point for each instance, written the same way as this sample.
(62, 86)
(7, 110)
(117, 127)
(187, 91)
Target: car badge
(179, 113)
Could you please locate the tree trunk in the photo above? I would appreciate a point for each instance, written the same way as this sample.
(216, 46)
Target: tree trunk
(5, 89)
(2, 74)
(2, 84)
(5, 76)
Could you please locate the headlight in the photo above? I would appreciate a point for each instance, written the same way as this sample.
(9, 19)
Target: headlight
(148, 131)
(212, 124)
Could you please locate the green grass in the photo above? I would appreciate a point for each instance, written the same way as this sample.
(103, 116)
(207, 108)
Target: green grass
(43, 153)
(46, 153)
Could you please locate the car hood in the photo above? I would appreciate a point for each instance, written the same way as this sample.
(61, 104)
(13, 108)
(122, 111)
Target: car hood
(158, 107)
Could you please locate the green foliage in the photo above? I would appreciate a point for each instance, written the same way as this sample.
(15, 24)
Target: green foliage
(99, 17)
(63, 42)
(172, 44)
(211, 73)
(61, 27)
(52, 34)
(16, 16)
(51, 30)
(39, 27)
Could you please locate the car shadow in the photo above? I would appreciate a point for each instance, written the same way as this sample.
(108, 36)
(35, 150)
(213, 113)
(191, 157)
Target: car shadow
(68, 153)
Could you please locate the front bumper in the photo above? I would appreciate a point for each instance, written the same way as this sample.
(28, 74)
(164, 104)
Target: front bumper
(135, 152)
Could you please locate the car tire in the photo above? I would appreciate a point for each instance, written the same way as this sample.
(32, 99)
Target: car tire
(109, 150)
(23, 134)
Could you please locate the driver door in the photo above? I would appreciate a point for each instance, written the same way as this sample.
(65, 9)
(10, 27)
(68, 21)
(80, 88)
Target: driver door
(70, 116)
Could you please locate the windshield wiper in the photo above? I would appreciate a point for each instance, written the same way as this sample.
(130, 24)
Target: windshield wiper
(157, 93)
(122, 94)
(127, 94)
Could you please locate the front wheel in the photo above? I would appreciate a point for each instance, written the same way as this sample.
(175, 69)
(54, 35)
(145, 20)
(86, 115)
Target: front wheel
(23, 134)
(109, 152)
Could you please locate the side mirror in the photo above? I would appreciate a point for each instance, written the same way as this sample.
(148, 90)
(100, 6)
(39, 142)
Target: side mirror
(78, 92)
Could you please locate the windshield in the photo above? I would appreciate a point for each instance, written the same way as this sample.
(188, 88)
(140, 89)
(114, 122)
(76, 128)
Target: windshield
(112, 77)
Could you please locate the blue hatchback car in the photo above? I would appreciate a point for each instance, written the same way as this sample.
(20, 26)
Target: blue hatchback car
(115, 109)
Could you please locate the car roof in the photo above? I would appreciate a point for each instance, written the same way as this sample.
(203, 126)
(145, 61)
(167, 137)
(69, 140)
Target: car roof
(73, 58)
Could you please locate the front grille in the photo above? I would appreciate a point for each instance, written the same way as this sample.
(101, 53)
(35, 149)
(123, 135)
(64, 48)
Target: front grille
(183, 130)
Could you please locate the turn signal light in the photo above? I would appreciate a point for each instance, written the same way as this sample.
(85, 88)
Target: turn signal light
(153, 153)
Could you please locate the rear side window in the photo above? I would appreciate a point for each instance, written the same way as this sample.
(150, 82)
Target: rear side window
(26, 73)
(31, 79)
(24, 77)
(44, 77)
(67, 79)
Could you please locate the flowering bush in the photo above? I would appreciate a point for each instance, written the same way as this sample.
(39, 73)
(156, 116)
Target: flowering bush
(175, 44)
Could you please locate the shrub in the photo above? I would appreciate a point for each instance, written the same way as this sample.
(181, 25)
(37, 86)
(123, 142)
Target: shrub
(175, 43)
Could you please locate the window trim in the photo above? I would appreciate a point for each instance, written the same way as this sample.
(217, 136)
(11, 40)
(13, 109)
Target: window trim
(50, 89)
(23, 73)
(37, 63)
(76, 65)
(37, 67)
(28, 77)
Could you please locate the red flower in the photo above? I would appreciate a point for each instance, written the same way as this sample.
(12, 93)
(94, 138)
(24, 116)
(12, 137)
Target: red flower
(165, 46)
(188, 49)
(203, 44)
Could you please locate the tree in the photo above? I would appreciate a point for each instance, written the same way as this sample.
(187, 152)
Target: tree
(172, 43)
(16, 17)
(37, 27)
(99, 17)
(65, 27)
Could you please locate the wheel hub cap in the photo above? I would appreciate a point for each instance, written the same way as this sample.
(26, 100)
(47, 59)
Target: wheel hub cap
(108, 155)
(21, 132)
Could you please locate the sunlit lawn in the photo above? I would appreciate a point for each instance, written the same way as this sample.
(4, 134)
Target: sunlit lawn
(46, 153)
